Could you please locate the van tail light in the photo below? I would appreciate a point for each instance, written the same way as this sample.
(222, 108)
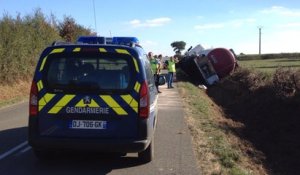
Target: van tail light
(33, 100)
(144, 108)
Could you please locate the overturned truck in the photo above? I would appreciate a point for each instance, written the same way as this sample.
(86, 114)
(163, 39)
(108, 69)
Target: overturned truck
(208, 66)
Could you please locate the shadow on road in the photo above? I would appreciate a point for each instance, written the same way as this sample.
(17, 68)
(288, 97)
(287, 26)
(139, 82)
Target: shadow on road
(12, 137)
(82, 163)
(71, 162)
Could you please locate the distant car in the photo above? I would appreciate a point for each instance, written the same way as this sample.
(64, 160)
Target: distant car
(93, 97)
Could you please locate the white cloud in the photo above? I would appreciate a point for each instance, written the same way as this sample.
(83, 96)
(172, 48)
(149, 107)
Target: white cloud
(233, 23)
(290, 25)
(150, 23)
(149, 43)
(283, 11)
(241, 22)
(273, 9)
(135, 22)
(157, 22)
(209, 26)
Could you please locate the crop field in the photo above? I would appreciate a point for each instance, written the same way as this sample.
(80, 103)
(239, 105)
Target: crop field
(270, 65)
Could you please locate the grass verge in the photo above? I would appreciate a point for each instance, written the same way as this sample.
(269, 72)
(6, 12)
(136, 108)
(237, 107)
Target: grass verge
(14, 93)
(218, 150)
(270, 65)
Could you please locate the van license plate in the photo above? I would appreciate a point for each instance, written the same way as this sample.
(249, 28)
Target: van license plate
(87, 124)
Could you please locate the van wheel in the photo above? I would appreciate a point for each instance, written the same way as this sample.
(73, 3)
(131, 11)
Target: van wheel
(148, 154)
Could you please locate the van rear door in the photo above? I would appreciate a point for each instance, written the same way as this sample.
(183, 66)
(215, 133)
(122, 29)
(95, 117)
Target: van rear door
(88, 93)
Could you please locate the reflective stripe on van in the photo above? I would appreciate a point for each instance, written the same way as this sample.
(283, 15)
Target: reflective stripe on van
(113, 105)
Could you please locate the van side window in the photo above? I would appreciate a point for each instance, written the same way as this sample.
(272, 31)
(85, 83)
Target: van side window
(149, 74)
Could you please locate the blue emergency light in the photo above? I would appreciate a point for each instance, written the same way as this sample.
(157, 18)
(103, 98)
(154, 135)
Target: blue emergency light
(91, 40)
(128, 41)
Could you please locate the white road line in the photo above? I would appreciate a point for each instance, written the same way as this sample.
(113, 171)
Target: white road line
(7, 153)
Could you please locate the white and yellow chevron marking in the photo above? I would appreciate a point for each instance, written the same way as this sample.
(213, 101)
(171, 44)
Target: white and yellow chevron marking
(122, 51)
(61, 103)
(113, 104)
(131, 102)
(58, 50)
(137, 87)
(92, 104)
(40, 85)
(44, 100)
(102, 50)
(43, 63)
(136, 65)
(77, 49)
(53, 51)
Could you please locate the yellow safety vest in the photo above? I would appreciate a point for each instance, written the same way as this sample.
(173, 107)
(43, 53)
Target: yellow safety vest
(171, 66)
(153, 63)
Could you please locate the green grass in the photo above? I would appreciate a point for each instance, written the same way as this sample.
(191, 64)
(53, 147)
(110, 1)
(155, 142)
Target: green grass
(270, 65)
(201, 110)
(200, 107)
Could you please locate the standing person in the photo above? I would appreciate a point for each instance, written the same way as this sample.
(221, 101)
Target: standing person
(160, 66)
(155, 69)
(171, 70)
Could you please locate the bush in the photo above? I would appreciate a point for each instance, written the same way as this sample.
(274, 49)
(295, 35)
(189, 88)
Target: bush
(22, 39)
(286, 82)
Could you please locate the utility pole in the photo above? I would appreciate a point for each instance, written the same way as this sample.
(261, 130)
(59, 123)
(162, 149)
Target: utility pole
(259, 28)
(95, 16)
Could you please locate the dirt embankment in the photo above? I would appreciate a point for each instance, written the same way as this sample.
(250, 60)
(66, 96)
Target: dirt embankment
(269, 109)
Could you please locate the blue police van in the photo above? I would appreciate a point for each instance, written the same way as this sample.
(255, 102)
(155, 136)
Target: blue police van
(93, 97)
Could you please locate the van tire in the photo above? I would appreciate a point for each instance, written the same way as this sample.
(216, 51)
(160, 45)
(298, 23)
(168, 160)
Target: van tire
(148, 154)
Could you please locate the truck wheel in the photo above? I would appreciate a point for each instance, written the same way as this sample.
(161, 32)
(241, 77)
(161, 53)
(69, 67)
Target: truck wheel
(148, 154)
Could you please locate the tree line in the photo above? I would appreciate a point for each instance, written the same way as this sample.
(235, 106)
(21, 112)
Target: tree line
(22, 39)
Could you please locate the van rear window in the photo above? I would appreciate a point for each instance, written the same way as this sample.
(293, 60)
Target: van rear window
(88, 72)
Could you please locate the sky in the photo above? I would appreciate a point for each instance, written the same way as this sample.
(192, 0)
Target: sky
(157, 23)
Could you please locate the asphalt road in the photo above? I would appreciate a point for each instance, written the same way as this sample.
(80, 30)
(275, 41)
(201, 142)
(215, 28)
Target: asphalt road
(173, 150)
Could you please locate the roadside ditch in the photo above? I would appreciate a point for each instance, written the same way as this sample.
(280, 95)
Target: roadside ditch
(246, 124)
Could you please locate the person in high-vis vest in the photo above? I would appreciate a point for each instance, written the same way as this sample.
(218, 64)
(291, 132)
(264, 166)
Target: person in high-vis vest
(155, 66)
(171, 70)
